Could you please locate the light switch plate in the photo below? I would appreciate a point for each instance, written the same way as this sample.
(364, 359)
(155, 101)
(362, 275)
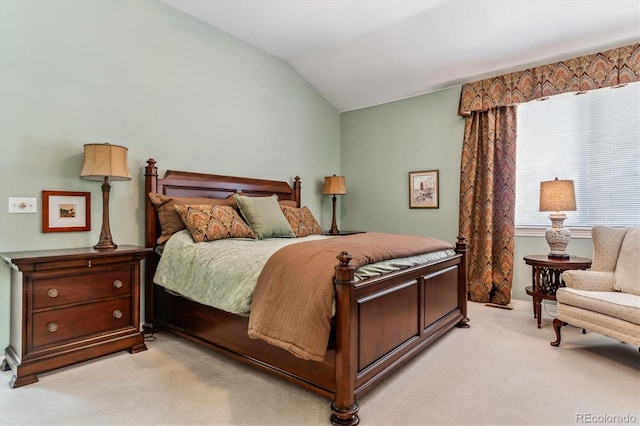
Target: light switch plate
(23, 205)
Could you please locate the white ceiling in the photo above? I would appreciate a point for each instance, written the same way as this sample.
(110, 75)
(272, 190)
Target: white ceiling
(359, 53)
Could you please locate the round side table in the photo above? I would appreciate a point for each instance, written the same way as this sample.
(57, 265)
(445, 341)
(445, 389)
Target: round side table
(546, 277)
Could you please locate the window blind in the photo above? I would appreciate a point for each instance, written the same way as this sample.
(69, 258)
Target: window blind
(592, 138)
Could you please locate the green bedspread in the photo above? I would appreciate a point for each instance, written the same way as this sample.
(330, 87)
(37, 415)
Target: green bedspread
(224, 273)
(221, 273)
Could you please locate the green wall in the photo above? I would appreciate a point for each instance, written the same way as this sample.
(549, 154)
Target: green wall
(379, 147)
(141, 74)
(382, 144)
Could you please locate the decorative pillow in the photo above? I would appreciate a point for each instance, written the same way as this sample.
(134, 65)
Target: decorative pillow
(170, 221)
(208, 223)
(301, 220)
(264, 216)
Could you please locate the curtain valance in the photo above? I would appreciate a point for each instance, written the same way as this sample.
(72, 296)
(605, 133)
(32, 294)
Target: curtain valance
(605, 69)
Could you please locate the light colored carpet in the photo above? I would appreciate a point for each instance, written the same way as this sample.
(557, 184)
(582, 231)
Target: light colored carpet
(501, 371)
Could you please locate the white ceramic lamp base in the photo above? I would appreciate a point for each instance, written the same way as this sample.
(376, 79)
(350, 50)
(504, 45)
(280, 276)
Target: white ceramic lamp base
(557, 236)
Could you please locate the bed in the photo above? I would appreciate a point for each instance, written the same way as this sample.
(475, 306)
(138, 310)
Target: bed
(379, 323)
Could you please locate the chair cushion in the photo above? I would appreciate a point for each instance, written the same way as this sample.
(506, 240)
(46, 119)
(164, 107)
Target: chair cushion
(627, 276)
(615, 304)
(606, 247)
(588, 280)
(615, 328)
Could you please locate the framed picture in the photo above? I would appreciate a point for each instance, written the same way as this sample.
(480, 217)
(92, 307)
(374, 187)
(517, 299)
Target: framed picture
(423, 189)
(65, 211)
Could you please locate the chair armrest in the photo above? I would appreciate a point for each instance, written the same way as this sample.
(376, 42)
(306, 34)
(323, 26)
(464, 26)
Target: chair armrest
(588, 280)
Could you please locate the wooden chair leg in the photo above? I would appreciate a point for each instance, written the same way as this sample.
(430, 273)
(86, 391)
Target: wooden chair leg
(557, 324)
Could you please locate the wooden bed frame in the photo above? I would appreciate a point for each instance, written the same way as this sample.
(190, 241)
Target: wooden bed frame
(380, 323)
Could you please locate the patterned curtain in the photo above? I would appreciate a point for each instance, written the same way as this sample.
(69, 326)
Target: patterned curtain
(606, 69)
(487, 202)
(487, 176)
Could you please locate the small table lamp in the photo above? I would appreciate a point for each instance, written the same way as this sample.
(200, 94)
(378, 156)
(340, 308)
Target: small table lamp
(103, 162)
(557, 196)
(334, 185)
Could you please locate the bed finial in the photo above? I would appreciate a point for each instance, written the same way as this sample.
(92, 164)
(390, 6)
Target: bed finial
(296, 190)
(345, 273)
(344, 258)
(151, 162)
(461, 245)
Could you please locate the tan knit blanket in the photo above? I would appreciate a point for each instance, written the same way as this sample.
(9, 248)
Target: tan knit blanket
(292, 301)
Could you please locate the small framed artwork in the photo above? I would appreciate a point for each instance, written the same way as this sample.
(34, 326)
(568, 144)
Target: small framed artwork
(423, 189)
(66, 211)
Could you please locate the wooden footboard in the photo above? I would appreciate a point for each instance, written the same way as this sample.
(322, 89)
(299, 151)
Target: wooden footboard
(383, 322)
(380, 322)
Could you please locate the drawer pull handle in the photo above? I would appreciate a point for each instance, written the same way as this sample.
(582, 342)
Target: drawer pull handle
(53, 292)
(117, 284)
(89, 264)
(52, 327)
(117, 314)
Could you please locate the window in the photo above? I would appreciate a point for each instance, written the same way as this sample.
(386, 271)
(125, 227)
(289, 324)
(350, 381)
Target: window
(592, 138)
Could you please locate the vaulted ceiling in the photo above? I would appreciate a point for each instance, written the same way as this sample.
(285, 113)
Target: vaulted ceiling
(359, 53)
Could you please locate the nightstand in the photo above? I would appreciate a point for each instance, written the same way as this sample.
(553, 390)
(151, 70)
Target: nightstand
(343, 233)
(547, 277)
(72, 305)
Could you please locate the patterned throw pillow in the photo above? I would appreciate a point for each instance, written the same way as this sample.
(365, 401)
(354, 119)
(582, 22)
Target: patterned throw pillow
(170, 221)
(208, 223)
(301, 220)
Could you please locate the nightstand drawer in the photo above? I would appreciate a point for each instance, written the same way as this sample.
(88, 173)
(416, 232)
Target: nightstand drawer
(88, 262)
(78, 321)
(78, 288)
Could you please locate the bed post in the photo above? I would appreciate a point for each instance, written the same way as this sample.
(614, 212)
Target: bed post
(344, 408)
(296, 189)
(462, 248)
(150, 236)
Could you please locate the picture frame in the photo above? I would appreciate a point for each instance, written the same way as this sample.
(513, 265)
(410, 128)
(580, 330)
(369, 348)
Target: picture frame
(66, 211)
(424, 190)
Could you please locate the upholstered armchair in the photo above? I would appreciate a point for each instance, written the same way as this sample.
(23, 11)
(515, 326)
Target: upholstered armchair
(606, 298)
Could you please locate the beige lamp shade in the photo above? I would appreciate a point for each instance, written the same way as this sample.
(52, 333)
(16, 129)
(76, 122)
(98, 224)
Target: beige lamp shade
(557, 195)
(105, 160)
(334, 185)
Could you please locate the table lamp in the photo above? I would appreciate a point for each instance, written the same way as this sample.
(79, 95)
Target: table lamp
(101, 163)
(557, 196)
(334, 185)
